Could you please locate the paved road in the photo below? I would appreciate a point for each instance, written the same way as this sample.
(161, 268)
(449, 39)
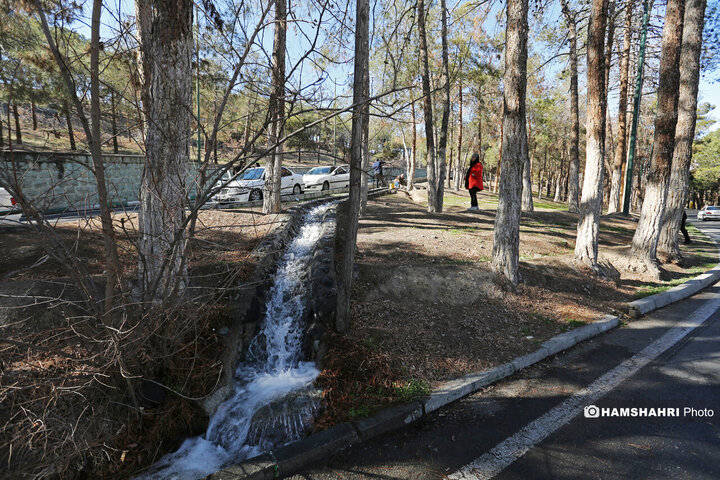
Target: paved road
(668, 360)
(711, 227)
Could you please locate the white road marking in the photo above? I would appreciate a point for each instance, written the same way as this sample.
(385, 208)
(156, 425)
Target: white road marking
(511, 449)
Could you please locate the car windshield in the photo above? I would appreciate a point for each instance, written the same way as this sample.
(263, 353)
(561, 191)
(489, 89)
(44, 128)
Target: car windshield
(253, 174)
(319, 171)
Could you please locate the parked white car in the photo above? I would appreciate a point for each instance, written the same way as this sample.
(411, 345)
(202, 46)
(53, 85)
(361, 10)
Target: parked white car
(249, 187)
(708, 212)
(9, 212)
(327, 178)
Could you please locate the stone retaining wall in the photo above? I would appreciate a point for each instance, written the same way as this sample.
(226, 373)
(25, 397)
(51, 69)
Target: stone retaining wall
(61, 181)
(54, 181)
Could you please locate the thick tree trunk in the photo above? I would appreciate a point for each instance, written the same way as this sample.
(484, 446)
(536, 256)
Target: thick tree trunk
(2, 137)
(350, 242)
(273, 169)
(586, 245)
(647, 234)
(621, 144)
(413, 160)
(18, 131)
(574, 175)
(685, 129)
(163, 192)
(445, 122)
(506, 242)
(432, 181)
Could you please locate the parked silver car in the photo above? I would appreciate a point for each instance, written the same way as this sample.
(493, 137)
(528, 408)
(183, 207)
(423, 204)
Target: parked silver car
(327, 178)
(250, 186)
(708, 212)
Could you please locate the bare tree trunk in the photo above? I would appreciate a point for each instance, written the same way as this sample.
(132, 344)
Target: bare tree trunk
(451, 154)
(574, 178)
(143, 21)
(427, 111)
(114, 121)
(479, 128)
(527, 200)
(560, 174)
(413, 160)
(112, 275)
(685, 129)
(506, 242)
(2, 137)
(500, 156)
(459, 165)
(609, 141)
(621, 145)
(92, 133)
(586, 245)
(348, 253)
(163, 192)
(406, 152)
(541, 175)
(18, 131)
(248, 119)
(647, 234)
(273, 170)
(68, 122)
(34, 114)
(365, 145)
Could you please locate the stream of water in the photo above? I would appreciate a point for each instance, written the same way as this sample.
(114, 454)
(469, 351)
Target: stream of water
(272, 401)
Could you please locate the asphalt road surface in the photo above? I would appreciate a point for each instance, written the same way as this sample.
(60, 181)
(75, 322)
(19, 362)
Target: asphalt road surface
(534, 425)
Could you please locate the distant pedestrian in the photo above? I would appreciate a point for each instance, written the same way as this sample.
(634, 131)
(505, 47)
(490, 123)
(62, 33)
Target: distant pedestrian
(378, 170)
(474, 180)
(683, 229)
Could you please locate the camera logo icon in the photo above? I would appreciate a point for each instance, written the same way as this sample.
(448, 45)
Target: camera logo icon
(591, 411)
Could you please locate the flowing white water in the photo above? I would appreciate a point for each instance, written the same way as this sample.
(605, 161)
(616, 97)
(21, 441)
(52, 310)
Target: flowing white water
(272, 371)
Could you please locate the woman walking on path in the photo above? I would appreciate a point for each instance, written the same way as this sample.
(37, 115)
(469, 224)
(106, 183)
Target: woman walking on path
(474, 180)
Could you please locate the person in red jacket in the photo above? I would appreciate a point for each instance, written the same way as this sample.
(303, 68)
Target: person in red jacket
(474, 180)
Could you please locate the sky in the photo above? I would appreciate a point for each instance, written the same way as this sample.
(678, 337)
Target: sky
(709, 89)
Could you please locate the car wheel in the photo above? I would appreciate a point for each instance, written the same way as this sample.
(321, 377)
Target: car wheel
(326, 186)
(297, 189)
(255, 195)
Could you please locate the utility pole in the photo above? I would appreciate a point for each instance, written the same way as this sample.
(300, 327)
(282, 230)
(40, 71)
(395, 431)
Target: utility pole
(636, 109)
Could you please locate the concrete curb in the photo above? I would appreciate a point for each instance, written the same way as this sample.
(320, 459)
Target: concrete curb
(295, 456)
(691, 287)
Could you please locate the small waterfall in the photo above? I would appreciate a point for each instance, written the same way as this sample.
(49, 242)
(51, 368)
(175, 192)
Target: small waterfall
(273, 400)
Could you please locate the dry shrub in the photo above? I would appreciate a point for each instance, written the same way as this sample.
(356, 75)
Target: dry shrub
(65, 399)
(357, 380)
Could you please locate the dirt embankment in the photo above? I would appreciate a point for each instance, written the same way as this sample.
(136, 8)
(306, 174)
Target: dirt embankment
(427, 300)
